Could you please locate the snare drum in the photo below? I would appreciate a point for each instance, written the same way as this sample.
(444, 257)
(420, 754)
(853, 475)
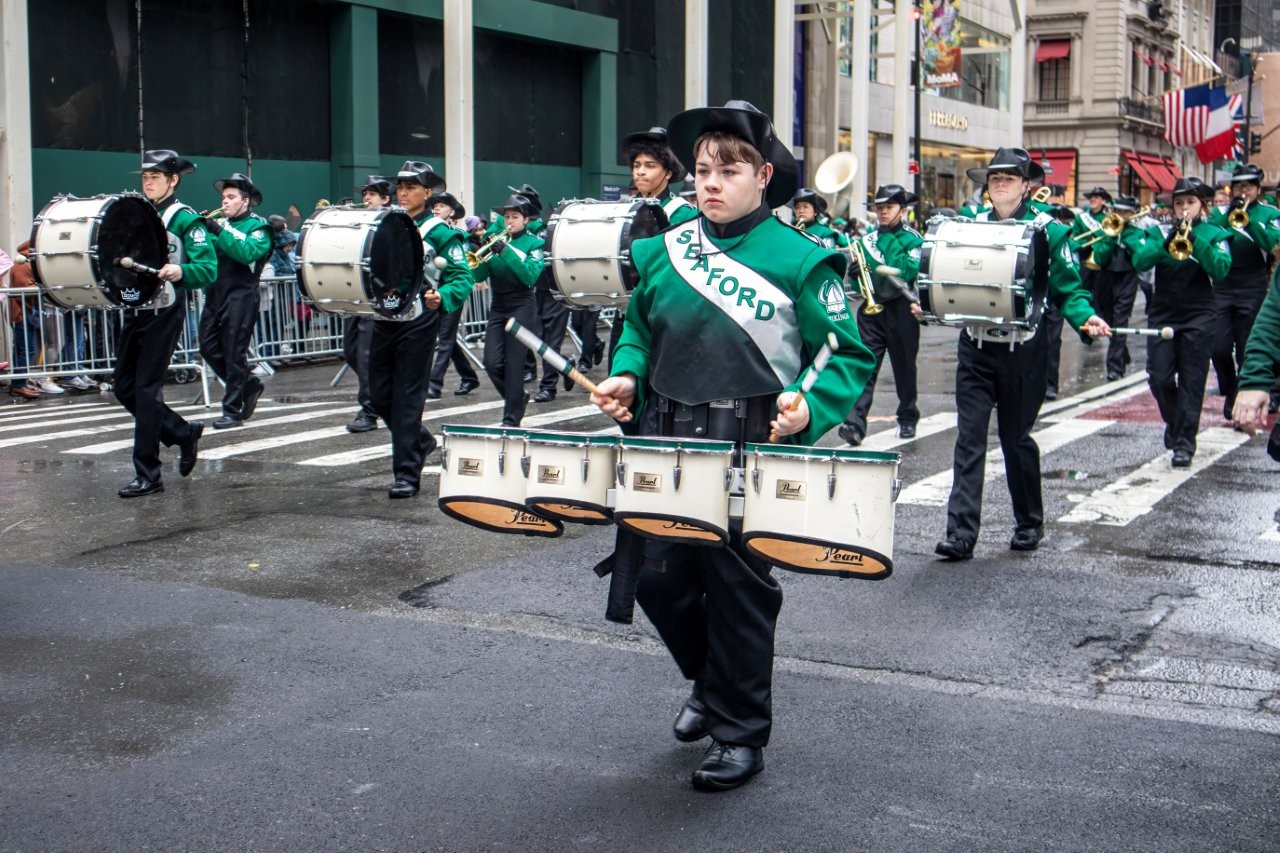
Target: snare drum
(983, 274)
(821, 510)
(589, 248)
(674, 489)
(76, 243)
(570, 475)
(356, 260)
(482, 481)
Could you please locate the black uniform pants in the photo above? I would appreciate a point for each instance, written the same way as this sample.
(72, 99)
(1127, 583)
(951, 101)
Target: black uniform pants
(357, 332)
(147, 340)
(399, 361)
(1051, 324)
(585, 322)
(226, 327)
(1234, 310)
(896, 331)
(1011, 380)
(1114, 298)
(716, 610)
(504, 358)
(448, 352)
(1177, 370)
(554, 317)
(615, 332)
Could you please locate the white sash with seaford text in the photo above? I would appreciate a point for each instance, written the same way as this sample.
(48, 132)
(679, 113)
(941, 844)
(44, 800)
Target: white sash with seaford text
(759, 307)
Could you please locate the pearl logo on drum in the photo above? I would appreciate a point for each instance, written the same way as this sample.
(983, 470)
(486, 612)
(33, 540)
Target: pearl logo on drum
(790, 490)
(551, 474)
(642, 482)
(974, 264)
(470, 467)
(841, 556)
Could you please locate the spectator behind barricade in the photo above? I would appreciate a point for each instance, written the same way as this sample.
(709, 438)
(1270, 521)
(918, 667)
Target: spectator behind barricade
(279, 265)
(293, 219)
(24, 317)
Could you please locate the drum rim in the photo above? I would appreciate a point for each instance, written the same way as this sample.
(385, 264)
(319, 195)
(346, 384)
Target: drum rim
(620, 517)
(482, 431)
(447, 509)
(707, 446)
(606, 511)
(748, 537)
(843, 454)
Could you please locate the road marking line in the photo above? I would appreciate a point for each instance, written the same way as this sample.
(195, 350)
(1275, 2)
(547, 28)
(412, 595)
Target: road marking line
(1272, 534)
(888, 439)
(936, 490)
(1106, 391)
(1137, 493)
(562, 415)
(29, 413)
(378, 451)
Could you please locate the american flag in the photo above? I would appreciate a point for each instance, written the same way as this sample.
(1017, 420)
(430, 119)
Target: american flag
(1186, 113)
(1236, 105)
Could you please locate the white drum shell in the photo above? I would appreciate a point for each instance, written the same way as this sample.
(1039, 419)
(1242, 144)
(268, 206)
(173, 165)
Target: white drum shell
(647, 490)
(976, 273)
(585, 252)
(482, 483)
(64, 254)
(557, 484)
(333, 265)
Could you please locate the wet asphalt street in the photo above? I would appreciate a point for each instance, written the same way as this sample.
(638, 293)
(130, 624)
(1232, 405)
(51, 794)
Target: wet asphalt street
(271, 655)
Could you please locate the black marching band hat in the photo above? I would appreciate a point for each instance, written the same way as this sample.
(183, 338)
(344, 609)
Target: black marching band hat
(458, 210)
(655, 140)
(421, 173)
(1247, 174)
(517, 202)
(1101, 192)
(533, 201)
(742, 119)
(1014, 161)
(806, 194)
(166, 160)
(895, 194)
(377, 183)
(1125, 202)
(1191, 186)
(240, 181)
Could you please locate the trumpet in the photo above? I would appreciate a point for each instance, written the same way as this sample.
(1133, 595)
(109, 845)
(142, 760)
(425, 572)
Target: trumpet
(212, 213)
(480, 255)
(864, 279)
(1111, 226)
(1238, 218)
(1180, 246)
(1043, 194)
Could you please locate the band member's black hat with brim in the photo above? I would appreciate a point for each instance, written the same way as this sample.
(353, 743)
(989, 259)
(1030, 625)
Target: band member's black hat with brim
(531, 195)
(166, 160)
(1247, 174)
(1011, 161)
(240, 182)
(379, 184)
(518, 203)
(654, 139)
(1124, 203)
(806, 194)
(741, 119)
(445, 198)
(894, 194)
(1190, 186)
(1099, 192)
(419, 172)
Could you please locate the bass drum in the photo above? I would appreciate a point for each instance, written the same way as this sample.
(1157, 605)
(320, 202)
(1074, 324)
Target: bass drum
(589, 248)
(76, 244)
(991, 274)
(354, 260)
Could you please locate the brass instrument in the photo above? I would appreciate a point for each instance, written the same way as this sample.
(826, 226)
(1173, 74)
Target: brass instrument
(1042, 195)
(1111, 226)
(864, 279)
(479, 256)
(1238, 218)
(212, 213)
(1180, 246)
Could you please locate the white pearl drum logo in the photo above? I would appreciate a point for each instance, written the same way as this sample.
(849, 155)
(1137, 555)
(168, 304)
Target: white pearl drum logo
(470, 467)
(790, 490)
(551, 474)
(642, 482)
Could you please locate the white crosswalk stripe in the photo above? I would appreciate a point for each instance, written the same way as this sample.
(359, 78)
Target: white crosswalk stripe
(888, 439)
(383, 448)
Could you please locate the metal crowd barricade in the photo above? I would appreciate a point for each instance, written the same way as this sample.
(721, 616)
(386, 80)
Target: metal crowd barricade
(288, 329)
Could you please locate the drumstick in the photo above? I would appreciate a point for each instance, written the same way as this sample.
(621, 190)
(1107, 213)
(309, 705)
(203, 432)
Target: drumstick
(806, 384)
(136, 266)
(1165, 332)
(553, 358)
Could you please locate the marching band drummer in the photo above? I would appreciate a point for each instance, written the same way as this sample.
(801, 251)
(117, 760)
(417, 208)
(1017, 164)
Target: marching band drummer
(243, 241)
(451, 211)
(400, 350)
(808, 206)
(357, 329)
(896, 328)
(148, 337)
(1183, 299)
(512, 270)
(730, 307)
(1007, 371)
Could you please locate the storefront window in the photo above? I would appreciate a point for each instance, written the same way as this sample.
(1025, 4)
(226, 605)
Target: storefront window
(984, 69)
(943, 182)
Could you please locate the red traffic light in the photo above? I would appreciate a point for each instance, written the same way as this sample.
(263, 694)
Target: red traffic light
(913, 168)
(915, 12)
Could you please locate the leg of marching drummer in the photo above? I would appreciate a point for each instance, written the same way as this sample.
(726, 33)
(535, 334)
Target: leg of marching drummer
(1019, 396)
(975, 398)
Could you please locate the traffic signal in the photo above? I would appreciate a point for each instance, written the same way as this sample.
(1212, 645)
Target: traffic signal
(1255, 143)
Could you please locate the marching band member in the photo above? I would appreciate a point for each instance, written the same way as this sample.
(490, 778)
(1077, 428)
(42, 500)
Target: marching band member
(807, 207)
(357, 329)
(243, 240)
(1116, 287)
(896, 329)
(451, 211)
(1261, 366)
(1183, 299)
(696, 338)
(512, 270)
(400, 350)
(148, 337)
(1008, 371)
(1238, 296)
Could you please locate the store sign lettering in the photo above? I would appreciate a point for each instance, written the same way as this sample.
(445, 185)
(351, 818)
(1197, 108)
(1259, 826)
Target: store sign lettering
(954, 121)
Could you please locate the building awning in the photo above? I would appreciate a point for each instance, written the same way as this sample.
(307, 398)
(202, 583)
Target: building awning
(1059, 163)
(1159, 168)
(1173, 168)
(1057, 49)
(1138, 163)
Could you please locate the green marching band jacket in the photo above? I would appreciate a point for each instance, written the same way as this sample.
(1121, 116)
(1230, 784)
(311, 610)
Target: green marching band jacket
(513, 272)
(1065, 287)
(749, 313)
(455, 282)
(190, 246)
(898, 247)
(1262, 353)
(677, 209)
(246, 240)
(1183, 289)
(827, 235)
(1251, 246)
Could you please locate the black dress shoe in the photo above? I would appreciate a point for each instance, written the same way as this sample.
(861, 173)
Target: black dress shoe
(691, 722)
(568, 383)
(1181, 459)
(584, 367)
(954, 548)
(1026, 539)
(190, 449)
(529, 376)
(1112, 376)
(1051, 393)
(402, 489)
(727, 765)
(907, 431)
(251, 401)
(597, 354)
(851, 434)
(432, 394)
(545, 395)
(226, 421)
(362, 422)
(465, 387)
(140, 487)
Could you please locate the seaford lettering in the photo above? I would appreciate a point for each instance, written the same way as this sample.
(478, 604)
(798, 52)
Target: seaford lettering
(727, 285)
(955, 121)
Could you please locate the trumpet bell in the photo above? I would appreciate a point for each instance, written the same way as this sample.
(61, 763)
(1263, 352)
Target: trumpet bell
(1238, 219)
(836, 172)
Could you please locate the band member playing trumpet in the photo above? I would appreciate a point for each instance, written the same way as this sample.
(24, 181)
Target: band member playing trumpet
(1187, 263)
(697, 338)
(148, 337)
(400, 350)
(357, 329)
(512, 267)
(1261, 368)
(896, 329)
(808, 206)
(243, 240)
(1006, 371)
(1255, 232)
(1116, 281)
(448, 352)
